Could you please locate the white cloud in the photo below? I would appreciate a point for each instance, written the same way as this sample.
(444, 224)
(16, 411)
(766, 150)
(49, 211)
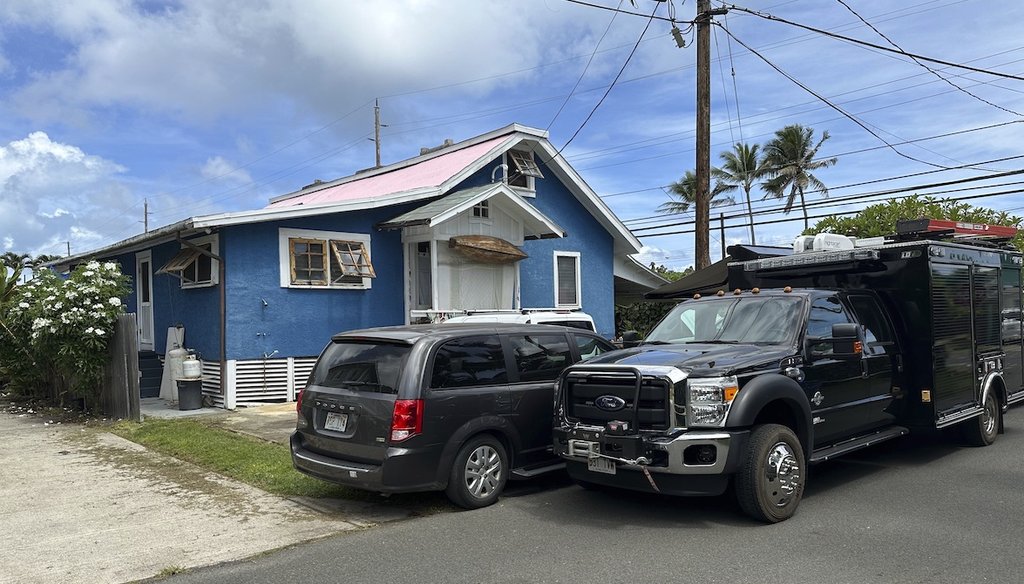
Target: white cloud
(217, 168)
(51, 193)
(203, 59)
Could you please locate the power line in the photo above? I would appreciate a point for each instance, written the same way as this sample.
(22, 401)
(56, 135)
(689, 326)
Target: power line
(585, 67)
(610, 86)
(823, 216)
(873, 45)
(921, 63)
(620, 11)
(849, 116)
(833, 202)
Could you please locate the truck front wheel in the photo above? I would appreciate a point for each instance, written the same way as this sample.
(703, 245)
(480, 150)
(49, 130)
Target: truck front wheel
(770, 481)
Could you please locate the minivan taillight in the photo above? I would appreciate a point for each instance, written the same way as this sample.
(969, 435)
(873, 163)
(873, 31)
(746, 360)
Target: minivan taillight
(407, 419)
(298, 400)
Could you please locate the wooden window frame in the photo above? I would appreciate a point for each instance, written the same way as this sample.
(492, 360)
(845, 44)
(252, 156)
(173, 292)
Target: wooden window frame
(349, 251)
(521, 164)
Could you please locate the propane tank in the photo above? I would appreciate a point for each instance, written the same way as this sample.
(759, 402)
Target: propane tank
(192, 368)
(174, 359)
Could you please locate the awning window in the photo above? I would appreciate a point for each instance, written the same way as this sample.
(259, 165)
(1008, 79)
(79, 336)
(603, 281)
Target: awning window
(179, 262)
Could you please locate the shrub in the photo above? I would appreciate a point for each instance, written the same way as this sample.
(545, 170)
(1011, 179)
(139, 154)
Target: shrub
(55, 332)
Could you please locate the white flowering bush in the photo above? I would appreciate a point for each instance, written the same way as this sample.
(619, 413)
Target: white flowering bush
(53, 343)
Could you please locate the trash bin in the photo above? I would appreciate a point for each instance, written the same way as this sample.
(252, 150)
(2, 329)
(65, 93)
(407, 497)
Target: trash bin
(190, 394)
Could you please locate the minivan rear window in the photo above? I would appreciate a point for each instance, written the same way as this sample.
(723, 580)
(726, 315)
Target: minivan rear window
(371, 367)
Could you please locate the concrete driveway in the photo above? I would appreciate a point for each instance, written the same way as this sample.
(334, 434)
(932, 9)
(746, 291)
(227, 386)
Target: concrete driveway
(82, 505)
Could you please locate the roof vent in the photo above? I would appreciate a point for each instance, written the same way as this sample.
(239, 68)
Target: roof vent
(315, 183)
(447, 142)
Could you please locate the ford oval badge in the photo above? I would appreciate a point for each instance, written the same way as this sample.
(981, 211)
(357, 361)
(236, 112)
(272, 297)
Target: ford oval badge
(610, 403)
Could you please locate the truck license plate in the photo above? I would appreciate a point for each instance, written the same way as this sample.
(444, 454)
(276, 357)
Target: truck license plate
(602, 465)
(336, 422)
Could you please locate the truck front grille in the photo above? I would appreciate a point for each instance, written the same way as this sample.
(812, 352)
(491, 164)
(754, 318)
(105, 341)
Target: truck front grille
(582, 392)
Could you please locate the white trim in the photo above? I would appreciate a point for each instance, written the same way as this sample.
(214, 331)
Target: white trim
(214, 241)
(284, 256)
(228, 388)
(579, 286)
(147, 257)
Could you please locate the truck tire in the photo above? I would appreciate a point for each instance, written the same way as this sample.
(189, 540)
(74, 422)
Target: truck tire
(771, 478)
(982, 430)
(478, 473)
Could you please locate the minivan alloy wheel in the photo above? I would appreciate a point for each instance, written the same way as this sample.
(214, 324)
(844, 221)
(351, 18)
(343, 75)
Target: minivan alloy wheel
(483, 471)
(478, 473)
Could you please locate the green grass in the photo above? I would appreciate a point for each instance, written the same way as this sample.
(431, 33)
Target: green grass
(262, 464)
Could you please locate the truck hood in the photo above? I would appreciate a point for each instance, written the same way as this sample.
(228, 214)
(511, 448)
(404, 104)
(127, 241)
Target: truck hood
(714, 358)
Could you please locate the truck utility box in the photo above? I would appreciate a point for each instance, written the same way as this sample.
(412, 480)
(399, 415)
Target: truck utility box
(801, 358)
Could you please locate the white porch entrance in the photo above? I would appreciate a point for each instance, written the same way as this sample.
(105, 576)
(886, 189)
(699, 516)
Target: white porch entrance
(144, 298)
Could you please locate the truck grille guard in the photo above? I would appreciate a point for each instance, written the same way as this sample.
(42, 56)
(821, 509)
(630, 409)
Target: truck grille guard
(629, 384)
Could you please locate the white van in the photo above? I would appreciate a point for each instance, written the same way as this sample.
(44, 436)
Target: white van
(575, 319)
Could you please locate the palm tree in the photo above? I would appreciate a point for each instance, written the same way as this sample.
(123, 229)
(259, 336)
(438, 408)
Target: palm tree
(789, 160)
(742, 168)
(686, 190)
(14, 260)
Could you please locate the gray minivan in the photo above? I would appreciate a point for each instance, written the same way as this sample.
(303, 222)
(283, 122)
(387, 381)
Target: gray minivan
(454, 407)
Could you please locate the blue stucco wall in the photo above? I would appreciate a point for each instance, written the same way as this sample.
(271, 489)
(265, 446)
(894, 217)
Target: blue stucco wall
(299, 322)
(197, 309)
(584, 235)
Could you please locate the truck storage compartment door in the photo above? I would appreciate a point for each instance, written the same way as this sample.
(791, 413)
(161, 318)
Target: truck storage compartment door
(952, 343)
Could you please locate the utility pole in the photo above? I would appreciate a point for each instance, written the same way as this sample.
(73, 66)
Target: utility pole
(69, 248)
(145, 215)
(376, 128)
(702, 227)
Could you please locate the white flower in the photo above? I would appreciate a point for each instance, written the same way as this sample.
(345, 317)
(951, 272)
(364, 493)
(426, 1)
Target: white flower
(96, 314)
(72, 294)
(58, 305)
(93, 265)
(89, 330)
(40, 323)
(88, 273)
(110, 266)
(99, 332)
(23, 305)
(115, 302)
(53, 329)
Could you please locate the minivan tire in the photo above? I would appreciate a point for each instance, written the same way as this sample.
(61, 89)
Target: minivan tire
(478, 473)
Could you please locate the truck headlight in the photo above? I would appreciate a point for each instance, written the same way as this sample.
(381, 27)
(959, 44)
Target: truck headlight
(709, 400)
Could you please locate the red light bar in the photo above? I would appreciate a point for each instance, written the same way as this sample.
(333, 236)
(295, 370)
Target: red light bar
(957, 228)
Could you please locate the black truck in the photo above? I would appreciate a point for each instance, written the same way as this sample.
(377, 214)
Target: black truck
(800, 359)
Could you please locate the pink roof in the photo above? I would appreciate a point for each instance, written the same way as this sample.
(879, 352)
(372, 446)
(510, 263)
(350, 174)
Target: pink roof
(429, 173)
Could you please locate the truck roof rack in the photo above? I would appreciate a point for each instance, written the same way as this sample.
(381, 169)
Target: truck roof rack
(959, 231)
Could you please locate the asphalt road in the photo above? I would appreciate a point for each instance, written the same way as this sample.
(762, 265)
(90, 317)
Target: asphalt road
(928, 511)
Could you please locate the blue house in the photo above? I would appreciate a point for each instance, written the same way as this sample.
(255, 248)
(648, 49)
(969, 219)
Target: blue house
(259, 293)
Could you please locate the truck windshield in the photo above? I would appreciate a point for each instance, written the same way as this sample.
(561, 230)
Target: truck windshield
(768, 320)
(361, 366)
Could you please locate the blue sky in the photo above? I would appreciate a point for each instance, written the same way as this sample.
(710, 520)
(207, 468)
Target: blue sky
(203, 107)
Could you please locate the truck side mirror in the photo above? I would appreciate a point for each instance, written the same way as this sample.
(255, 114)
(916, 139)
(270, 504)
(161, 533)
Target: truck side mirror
(630, 339)
(845, 340)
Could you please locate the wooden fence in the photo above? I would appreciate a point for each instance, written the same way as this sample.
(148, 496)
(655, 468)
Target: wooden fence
(119, 397)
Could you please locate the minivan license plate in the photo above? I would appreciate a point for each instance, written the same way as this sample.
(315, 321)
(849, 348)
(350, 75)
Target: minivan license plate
(601, 465)
(335, 421)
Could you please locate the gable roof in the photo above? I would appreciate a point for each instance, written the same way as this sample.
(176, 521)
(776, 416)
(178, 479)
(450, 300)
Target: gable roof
(535, 224)
(423, 177)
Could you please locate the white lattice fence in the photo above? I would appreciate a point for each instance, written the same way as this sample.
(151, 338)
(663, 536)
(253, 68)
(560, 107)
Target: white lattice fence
(257, 380)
